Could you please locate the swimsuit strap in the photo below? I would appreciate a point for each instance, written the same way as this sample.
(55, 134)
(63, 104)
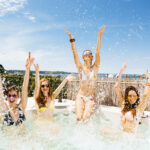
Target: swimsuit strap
(82, 75)
(9, 121)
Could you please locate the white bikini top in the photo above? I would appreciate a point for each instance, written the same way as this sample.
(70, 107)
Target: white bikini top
(82, 76)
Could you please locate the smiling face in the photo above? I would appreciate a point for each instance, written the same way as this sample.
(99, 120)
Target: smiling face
(132, 97)
(87, 55)
(45, 88)
(12, 97)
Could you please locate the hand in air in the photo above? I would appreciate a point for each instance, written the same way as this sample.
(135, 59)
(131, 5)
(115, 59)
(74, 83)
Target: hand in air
(29, 62)
(36, 66)
(124, 66)
(101, 30)
(69, 34)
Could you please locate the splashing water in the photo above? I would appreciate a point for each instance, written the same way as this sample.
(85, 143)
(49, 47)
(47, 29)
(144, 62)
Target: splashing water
(65, 133)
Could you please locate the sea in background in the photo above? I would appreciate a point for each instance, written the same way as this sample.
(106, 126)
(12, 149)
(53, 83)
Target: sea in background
(64, 74)
(107, 75)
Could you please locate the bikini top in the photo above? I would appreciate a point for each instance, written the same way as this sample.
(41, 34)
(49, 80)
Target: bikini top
(82, 76)
(51, 107)
(8, 120)
(128, 116)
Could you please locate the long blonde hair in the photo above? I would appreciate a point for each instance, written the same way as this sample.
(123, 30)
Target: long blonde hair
(41, 101)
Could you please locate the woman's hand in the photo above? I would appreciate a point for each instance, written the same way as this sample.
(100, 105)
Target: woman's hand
(124, 66)
(29, 62)
(69, 34)
(101, 30)
(36, 66)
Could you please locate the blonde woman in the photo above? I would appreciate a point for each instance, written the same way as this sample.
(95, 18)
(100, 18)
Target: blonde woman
(86, 97)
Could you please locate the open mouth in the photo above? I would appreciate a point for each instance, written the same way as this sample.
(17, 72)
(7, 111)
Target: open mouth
(12, 101)
(133, 101)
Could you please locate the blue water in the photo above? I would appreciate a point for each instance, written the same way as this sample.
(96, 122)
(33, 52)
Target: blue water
(102, 75)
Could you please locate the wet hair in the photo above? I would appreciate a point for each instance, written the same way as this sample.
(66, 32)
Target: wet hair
(128, 106)
(11, 88)
(41, 101)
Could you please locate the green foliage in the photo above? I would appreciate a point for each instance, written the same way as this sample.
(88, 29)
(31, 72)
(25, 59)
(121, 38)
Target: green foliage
(17, 80)
(10, 79)
(2, 70)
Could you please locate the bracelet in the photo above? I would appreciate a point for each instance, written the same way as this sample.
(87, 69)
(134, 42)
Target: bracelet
(72, 40)
(147, 84)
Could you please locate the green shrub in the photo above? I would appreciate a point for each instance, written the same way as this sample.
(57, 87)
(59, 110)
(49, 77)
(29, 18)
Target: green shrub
(17, 80)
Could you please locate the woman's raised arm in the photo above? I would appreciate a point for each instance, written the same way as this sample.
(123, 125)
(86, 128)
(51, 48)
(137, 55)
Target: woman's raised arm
(117, 85)
(24, 96)
(97, 53)
(75, 54)
(37, 81)
(141, 107)
(59, 88)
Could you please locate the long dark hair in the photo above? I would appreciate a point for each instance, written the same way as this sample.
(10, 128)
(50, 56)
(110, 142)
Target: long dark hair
(128, 106)
(41, 101)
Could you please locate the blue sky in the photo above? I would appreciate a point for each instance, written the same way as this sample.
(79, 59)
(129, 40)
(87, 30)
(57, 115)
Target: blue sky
(38, 26)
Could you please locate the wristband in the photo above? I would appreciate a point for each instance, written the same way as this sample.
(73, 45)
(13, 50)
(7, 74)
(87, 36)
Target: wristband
(72, 40)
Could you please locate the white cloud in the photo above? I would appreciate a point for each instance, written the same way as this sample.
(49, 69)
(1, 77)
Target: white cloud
(15, 58)
(7, 6)
(29, 16)
(14, 51)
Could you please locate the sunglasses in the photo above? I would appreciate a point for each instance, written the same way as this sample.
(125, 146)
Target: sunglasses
(46, 85)
(9, 95)
(87, 53)
(132, 97)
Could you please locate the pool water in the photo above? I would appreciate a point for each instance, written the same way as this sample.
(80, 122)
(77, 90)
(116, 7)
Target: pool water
(64, 133)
